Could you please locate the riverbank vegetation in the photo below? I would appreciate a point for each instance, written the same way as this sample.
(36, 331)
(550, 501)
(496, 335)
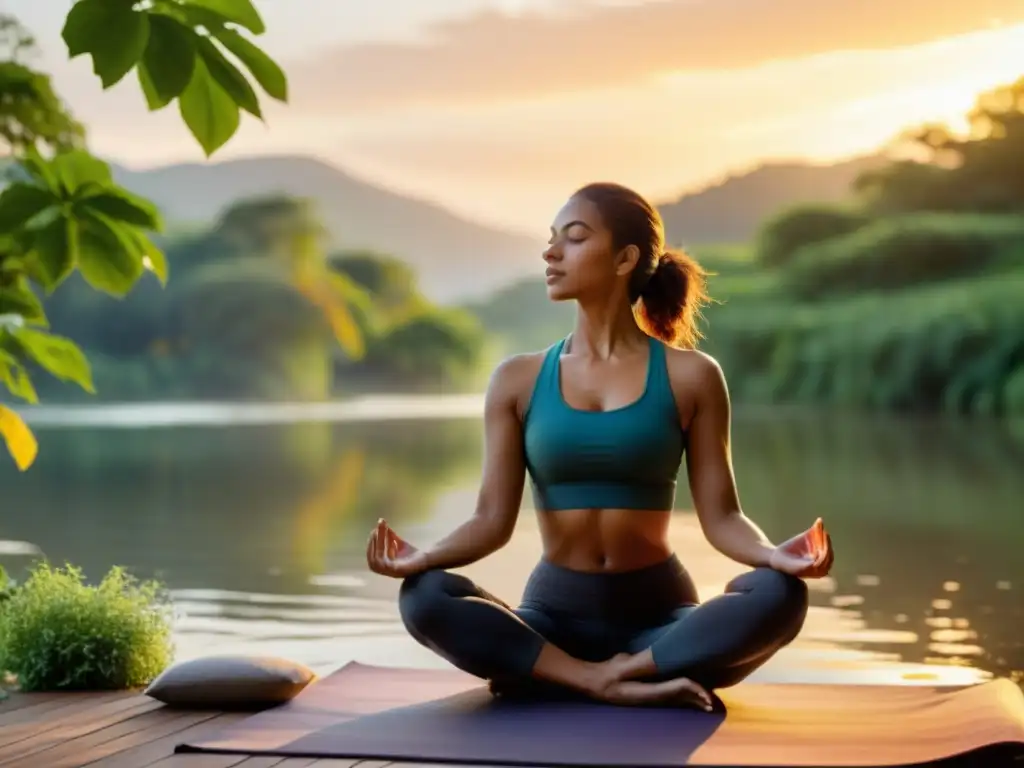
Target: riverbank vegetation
(234, 325)
(907, 297)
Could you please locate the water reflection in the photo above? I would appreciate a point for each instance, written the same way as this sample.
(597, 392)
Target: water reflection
(259, 529)
(926, 521)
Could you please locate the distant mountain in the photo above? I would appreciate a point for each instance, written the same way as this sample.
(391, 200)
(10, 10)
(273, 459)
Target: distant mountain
(455, 258)
(733, 209)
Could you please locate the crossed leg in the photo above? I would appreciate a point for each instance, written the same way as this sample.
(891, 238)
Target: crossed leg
(716, 643)
(469, 627)
(720, 642)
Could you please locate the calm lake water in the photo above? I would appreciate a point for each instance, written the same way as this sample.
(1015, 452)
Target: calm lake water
(256, 518)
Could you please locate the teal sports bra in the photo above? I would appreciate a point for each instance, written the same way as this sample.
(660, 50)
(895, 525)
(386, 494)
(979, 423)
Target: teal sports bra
(626, 458)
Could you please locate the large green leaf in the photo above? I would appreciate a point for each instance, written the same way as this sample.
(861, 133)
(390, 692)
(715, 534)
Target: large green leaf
(20, 203)
(11, 265)
(109, 258)
(39, 168)
(266, 71)
(77, 170)
(228, 77)
(153, 258)
(241, 12)
(111, 31)
(18, 299)
(153, 100)
(16, 378)
(121, 205)
(208, 111)
(55, 252)
(167, 64)
(57, 355)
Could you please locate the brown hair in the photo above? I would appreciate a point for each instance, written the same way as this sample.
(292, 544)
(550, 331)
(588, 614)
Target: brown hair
(668, 287)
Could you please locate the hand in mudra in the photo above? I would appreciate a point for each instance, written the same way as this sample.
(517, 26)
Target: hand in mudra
(389, 554)
(808, 555)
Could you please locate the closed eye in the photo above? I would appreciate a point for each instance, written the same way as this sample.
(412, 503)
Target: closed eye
(576, 230)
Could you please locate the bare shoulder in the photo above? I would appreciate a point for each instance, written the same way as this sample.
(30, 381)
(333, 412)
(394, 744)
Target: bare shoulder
(697, 380)
(693, 370)
(513, 379)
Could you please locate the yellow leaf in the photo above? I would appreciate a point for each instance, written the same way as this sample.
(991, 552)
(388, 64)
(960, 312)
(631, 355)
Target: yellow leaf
(19, 438)
(343, 324)
(346, 331)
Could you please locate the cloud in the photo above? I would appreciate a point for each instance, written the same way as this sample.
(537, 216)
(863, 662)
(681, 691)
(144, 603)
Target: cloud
(515, 162)
(494, 56)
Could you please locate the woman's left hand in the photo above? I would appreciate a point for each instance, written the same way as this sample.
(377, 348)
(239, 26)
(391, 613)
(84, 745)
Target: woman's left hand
(808, 555)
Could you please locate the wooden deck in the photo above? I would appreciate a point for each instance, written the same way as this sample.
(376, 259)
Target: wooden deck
(124, 730)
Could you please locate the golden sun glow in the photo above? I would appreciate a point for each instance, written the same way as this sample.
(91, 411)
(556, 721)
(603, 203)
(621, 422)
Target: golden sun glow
(510, 160)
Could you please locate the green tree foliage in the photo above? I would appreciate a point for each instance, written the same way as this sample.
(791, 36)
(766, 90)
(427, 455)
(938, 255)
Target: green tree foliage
(389, 281)
(267, 225)
(430, 348)
(981, 171)
(236, 324)
(31, 113)
(189, 51)
(955, 347)
(62, 212)
(910, 297)
(904, 251)
(782, 236)
(67, 214)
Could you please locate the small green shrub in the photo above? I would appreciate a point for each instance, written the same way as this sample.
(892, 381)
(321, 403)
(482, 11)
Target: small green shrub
(7, 585)
(58, 633)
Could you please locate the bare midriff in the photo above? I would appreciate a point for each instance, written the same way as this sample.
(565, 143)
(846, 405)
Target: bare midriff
(605, 540)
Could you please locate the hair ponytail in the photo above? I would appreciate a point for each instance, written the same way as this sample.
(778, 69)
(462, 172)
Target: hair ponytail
(668, 287)
(670, 301)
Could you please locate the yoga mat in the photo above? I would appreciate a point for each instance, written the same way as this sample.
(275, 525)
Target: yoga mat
(446, 716)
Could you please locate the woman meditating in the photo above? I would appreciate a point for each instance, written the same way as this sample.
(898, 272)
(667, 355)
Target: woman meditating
(601, 422)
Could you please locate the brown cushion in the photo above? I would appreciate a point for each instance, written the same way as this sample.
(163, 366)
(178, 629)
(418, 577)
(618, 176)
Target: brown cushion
(230, 682)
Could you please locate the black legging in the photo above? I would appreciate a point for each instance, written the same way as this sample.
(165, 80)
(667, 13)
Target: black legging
(593, 616)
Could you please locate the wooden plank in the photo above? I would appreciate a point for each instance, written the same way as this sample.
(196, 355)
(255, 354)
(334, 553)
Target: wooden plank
(44, 706)
(16, 700)
(242, 761)
(161, 745)
(115, 738)
(124, 729)
(199, 761)
(69, 723)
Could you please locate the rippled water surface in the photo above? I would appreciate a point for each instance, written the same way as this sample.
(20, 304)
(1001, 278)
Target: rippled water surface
(256, 519)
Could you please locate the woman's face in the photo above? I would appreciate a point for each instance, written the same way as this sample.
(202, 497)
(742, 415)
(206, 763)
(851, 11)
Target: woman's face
(580, 255)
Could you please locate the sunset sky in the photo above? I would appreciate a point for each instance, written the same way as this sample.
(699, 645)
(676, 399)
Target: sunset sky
(498, 108)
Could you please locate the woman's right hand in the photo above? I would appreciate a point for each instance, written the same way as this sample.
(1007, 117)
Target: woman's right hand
(388, 554)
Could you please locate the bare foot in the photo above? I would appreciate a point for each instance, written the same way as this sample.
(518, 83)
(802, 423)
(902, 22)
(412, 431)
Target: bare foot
(679, 691)
(605, 674)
